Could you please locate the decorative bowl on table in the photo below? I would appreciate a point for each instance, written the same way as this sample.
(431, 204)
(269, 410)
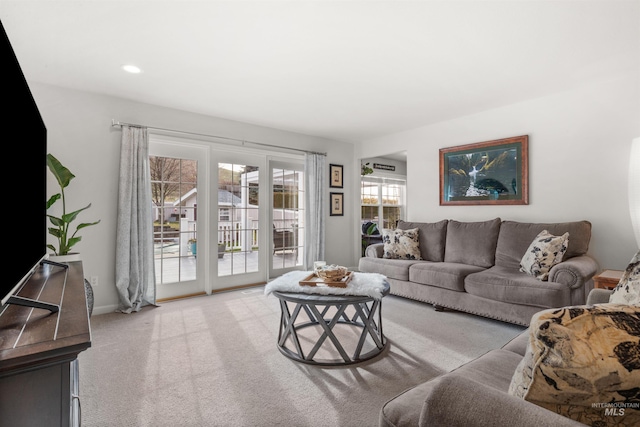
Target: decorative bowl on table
(332, 273)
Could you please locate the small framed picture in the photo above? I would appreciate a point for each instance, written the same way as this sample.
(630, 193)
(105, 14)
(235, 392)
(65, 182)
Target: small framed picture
(337, 204)
(335, 176)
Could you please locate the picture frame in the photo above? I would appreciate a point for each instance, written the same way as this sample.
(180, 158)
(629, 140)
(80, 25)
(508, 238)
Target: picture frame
(486, 173)
(337, 204)
(335, 176)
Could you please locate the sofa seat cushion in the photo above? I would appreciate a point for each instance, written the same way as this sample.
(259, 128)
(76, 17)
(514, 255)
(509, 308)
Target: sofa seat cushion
(493, 369)
(518, 344)
(472, 242)
(515, 287)
(446, 275)
(392, 268)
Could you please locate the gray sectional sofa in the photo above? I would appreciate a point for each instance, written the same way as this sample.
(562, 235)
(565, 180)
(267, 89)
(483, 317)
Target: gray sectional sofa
(475, 267)
(476, 394)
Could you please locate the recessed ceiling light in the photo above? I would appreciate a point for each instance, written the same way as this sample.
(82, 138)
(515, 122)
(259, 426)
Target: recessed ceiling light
(131, 69)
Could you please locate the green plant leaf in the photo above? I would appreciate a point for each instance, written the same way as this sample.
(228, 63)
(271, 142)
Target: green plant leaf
(58, 222)
(53, 199)
(72, 241)
(56, 232)
(61, 230)
(61, 173)
(86, 224)
(70, 217)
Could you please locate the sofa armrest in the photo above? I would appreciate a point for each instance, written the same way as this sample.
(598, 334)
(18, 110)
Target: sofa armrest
(598, 296)
(574, 272)
(375, 251)
(456, 401)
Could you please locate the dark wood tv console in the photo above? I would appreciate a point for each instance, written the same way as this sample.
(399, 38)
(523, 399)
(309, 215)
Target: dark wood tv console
(39, 350)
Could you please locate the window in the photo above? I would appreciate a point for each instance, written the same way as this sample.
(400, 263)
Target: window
(382, 201)
(224, 214)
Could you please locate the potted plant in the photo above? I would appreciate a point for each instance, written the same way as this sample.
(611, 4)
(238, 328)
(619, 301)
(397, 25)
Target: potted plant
(193, 246)
(365, 169)
(221, 248)
(61, 229)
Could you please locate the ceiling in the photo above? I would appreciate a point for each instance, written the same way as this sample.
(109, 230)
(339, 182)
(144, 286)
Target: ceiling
(345, 70)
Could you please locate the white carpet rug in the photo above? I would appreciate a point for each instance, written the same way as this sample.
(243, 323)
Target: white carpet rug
(213, 361)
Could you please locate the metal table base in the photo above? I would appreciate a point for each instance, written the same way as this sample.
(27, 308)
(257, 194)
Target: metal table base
(327, 311)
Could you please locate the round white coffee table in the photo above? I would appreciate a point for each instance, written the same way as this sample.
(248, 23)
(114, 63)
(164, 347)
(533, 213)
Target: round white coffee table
(360, 316)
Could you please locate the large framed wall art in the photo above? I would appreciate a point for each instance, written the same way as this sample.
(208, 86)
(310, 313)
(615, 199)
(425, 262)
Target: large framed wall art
(486, 173)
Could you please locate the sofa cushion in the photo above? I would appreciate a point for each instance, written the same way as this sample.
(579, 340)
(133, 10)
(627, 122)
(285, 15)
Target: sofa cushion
(515, 238)
(544, 252)
(441, 274)
(401, 244)
(392, 268)
(432, 237)
(579, 356)
(493, 370)
(627, 291)
(472, 243)
(518, 344)
(506, 285)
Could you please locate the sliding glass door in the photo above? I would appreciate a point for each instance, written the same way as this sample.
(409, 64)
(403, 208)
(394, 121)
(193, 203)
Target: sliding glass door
(223, 217)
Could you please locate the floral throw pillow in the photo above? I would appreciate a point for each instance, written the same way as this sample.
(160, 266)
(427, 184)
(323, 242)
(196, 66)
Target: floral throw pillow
(544, 252)
(401, 244)
(582, 362)
(627, 291)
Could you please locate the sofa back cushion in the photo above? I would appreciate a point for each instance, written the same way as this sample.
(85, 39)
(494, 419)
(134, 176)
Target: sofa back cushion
(431, 236)
(515, 237)
(472, 243)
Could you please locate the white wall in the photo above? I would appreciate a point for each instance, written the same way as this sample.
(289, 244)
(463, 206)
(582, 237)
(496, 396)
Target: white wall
(579, 144)
(81, 137)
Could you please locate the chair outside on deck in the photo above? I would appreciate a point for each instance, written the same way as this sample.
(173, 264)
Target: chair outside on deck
(284, 240)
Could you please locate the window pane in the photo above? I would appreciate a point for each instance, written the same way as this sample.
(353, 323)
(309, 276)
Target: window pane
(238, 217)
(288, 218)
(174, 196)
(391, 216)
(369, 194)
(369, 213)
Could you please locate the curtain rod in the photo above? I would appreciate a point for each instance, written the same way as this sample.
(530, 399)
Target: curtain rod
(120, 124)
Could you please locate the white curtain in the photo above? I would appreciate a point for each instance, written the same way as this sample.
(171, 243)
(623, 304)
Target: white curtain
(135, 275)
(315, 188)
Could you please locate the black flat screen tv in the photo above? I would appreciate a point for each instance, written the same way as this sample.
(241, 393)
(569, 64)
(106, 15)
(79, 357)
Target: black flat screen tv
(25, 147)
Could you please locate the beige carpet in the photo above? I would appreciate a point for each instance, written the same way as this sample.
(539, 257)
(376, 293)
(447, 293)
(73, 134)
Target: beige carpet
(213, 361)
